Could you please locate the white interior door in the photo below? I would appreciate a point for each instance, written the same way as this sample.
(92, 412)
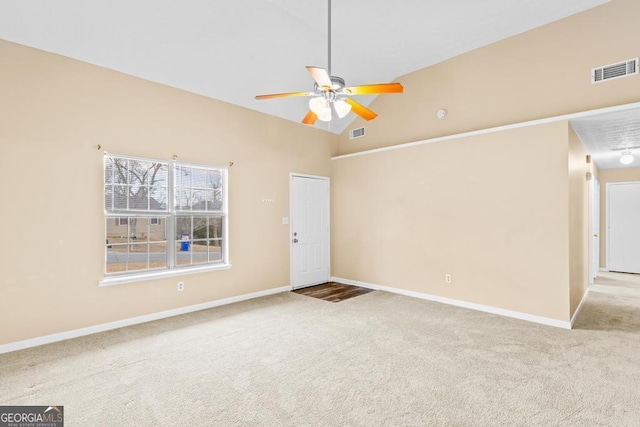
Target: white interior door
(594, 230)
(309, 230)
(623, 226)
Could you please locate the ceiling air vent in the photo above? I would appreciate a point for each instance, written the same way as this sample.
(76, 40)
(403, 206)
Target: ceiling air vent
(614, 71)
(356, 133)
(635, 147)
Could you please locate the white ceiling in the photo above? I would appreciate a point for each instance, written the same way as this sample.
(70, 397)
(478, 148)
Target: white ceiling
(233, 50)
(606, 136)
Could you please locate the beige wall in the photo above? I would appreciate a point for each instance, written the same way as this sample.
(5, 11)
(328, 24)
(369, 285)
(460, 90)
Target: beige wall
(606, 176)
(578, 221)
(54, 112)
(541, 73)
(491, 210)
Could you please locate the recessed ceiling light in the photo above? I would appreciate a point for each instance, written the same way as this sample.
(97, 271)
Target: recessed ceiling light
(626, 158)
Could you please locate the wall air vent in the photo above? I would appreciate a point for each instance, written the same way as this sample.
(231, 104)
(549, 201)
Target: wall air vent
(614, 71)
(356, 133)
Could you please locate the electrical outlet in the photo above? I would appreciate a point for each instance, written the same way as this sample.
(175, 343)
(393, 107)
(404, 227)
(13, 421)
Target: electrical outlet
(447, 278)
(180, 286)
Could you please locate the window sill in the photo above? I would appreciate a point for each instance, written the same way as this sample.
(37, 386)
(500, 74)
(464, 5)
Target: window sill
(139, 277)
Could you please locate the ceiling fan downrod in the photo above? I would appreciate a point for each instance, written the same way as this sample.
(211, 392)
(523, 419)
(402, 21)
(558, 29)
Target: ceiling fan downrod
(329, 42)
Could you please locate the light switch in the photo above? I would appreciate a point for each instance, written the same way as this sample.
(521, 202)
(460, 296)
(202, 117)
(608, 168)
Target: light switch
(285, 220)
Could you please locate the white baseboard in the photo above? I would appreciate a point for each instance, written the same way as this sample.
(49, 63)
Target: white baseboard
(604, 270)
(459, 303)
(575, 315)
(61, 336)
(357, 283)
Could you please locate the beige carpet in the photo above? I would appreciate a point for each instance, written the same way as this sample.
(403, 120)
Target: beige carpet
(377, 359)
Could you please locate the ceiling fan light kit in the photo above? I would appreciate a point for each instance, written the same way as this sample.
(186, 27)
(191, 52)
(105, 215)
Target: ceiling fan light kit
(342, 107)
(321, 108)
(330, 93)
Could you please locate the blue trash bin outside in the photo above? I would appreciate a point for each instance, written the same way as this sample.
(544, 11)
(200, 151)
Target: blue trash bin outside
(184, 243)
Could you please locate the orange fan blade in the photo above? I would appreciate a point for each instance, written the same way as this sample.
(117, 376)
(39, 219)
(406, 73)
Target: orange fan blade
(374, 89)
(321, 76)
(361, 110)
(284, 95)
(310, 118)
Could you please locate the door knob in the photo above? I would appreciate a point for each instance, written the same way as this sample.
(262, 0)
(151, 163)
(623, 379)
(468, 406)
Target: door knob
(595, 235)
(295, 240)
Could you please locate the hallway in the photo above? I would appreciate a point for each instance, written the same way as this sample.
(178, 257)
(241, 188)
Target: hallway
(613, 304)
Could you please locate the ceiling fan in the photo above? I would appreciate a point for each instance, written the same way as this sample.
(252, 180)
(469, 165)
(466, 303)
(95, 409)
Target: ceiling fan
(330, 93)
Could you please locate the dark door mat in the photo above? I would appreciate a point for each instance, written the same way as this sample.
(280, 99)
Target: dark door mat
(333, 292)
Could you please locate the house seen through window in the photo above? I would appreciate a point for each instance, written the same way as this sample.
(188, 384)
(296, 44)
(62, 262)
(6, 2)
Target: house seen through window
(162, 215)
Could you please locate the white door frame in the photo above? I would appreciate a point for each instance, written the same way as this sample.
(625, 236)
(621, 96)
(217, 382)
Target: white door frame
(594, 230)
(609, 185)
(325, 178)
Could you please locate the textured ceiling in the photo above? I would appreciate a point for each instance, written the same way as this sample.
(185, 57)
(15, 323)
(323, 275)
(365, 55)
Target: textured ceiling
(606, 136)
(233, 50)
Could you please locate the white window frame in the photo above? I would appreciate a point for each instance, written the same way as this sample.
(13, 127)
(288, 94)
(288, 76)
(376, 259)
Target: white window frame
(170, 224)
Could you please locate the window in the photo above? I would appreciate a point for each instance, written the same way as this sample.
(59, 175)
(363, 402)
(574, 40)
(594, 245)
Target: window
(162, 215)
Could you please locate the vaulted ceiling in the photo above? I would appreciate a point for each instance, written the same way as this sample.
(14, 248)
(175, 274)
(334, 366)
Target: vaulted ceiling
(235, 49)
